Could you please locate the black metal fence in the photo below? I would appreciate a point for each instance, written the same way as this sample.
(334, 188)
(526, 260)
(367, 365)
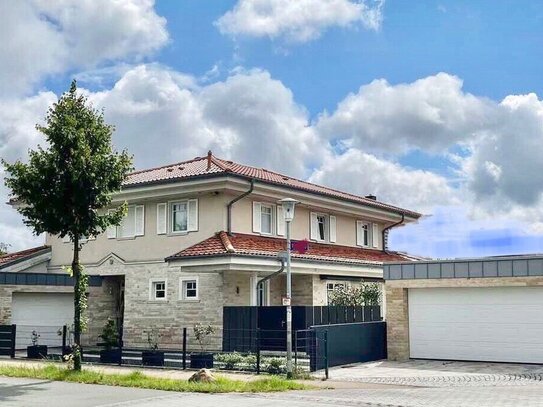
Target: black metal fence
(342, 344)
(241, 323)
(7, 340)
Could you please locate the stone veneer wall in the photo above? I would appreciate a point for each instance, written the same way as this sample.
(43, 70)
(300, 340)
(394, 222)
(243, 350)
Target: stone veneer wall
(397, 304)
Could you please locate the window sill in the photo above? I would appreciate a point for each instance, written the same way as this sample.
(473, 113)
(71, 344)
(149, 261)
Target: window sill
(189, 300)
(158, 301)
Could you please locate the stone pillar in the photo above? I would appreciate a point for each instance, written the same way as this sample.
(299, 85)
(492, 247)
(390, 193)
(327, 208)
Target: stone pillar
(397, 318)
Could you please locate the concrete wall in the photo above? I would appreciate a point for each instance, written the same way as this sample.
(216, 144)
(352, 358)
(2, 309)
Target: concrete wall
(397, 304)
(151, 246)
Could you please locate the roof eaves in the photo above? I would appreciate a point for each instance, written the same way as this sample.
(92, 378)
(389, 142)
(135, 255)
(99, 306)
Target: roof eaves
(29, 256)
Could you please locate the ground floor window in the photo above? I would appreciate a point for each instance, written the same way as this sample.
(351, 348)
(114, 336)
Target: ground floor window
(263, 293)
(189, 288)
(157, 290)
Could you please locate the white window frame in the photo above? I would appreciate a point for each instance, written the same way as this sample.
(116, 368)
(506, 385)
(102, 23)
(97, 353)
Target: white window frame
(152, 290)
(360, 233)
(271, 208)
(170, 217)
(182, 293)
(326, 227)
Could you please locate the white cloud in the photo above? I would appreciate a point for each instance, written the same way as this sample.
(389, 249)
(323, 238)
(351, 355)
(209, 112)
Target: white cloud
(300, 20)
(162, 116)
(17, 135)
(390, 182)
(432, 113)
(41, 37)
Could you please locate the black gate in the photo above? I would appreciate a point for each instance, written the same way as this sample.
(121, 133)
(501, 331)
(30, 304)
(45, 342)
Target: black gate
(7, 340)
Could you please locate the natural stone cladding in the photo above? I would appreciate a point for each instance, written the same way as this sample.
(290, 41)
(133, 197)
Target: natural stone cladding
(169, 316)
(397, 304)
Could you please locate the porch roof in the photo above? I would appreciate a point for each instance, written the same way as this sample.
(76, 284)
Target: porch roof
(239, 244)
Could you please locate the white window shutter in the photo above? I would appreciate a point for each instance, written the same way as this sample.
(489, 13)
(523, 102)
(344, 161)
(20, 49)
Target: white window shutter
(332, 229)
(314, 227)
(359, 233)
(256, 217)
(161, 220)
(280, 221)
(111, 230)
(193, 215)
(375, 235)
(140, 220)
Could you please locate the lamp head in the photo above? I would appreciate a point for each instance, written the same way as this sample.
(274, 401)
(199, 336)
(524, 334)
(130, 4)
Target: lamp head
(288, 205)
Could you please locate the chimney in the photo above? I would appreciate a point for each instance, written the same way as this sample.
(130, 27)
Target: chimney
(209, 155)
(372, 197)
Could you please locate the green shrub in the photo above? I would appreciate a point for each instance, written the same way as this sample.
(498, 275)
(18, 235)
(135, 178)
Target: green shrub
(230, 360)
(275, 366)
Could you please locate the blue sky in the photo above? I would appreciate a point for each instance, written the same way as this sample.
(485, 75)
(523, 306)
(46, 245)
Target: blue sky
(431, 105)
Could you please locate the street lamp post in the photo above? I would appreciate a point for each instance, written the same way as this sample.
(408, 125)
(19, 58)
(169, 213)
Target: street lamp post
(288, 205)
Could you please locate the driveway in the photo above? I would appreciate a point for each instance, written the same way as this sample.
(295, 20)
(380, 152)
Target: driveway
(433, 373)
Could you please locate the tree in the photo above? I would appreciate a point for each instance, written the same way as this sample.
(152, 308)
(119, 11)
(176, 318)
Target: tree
(3, 248)
(64, 188)
(366, 294)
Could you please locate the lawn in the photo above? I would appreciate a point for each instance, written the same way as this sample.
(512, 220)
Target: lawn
(138, 379)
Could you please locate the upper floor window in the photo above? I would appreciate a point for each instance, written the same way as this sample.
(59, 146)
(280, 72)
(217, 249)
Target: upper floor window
(177, 217)
(132, 225)
(367, 234)
(267, 219)
(323, 227)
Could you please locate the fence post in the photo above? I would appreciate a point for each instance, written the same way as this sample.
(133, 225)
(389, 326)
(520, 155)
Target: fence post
(257, 350)
(64, 332)
(13, 337)
(326, 354)
(184, 348)
(295, 350)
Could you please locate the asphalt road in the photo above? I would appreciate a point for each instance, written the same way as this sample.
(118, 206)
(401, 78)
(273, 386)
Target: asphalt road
(33, 393)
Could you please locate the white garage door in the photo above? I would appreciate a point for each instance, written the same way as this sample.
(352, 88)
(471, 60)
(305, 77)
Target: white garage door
(45, 313)
(482, 324)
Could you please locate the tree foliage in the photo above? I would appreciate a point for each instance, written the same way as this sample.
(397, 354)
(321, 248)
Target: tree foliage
(365, 294)
(63, 188)
(4, 248)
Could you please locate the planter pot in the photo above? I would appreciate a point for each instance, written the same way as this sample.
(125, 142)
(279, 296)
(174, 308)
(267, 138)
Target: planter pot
(152, 358)
(201, 360)
(36, 352)
(111, 356)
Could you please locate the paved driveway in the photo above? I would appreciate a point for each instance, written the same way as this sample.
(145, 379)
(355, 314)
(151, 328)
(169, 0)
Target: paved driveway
(425, 373)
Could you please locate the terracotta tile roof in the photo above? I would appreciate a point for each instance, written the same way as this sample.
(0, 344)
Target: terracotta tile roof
(240, 244)
(213, 166)
(15, 257)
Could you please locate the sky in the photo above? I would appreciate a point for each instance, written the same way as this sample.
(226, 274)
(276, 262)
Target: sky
(430, 105)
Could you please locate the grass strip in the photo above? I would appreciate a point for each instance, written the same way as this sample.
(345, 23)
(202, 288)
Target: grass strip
(138, 379)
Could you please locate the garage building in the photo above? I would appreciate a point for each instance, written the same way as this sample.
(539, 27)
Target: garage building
(486, 309)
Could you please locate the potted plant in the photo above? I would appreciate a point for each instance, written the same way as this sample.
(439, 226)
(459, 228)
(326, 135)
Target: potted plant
(203, 359)
(111, 353)
(36, 351)
(153, 356)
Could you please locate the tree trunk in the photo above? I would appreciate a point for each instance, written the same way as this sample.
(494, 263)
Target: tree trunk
(76, 270)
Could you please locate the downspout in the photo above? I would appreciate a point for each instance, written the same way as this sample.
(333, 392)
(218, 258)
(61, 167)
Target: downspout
(385, 230)
(232, 202)
(263, 280)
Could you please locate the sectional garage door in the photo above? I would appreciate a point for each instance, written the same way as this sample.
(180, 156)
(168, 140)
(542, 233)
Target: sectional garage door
(43, 312)
(481, 324)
